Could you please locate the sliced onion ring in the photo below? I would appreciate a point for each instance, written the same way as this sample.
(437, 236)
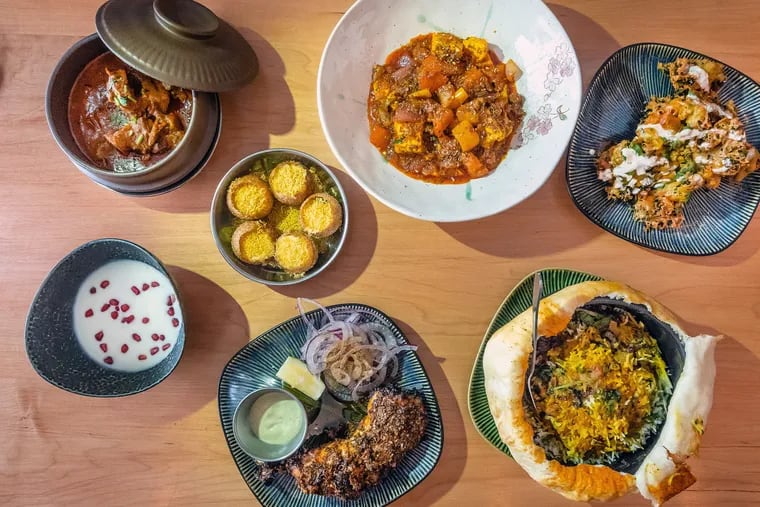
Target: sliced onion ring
(373, 347)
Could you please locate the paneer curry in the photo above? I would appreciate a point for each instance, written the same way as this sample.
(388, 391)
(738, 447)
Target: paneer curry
(123, 120)
(444, 109)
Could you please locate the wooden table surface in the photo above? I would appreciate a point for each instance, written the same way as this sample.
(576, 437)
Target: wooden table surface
(441, 282)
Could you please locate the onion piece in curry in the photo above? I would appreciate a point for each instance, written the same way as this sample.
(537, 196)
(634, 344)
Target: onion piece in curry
(444, 109)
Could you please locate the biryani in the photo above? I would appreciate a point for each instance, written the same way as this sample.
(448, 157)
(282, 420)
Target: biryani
(601, 388)
(684, 143)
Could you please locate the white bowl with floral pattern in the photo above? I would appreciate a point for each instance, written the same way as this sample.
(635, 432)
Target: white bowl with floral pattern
(524, 30)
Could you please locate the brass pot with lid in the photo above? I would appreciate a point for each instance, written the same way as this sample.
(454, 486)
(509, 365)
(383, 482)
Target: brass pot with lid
(179, 43)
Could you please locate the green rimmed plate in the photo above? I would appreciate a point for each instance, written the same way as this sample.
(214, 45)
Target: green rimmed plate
(518, 300)
(255, 366)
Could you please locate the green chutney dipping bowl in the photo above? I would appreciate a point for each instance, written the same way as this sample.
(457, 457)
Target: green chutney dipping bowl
(270, 424)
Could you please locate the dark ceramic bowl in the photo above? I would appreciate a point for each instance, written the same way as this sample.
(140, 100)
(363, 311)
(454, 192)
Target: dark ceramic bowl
(200, 137)
(53, 348)
(221, 219)
(673, 353)
(612, 108)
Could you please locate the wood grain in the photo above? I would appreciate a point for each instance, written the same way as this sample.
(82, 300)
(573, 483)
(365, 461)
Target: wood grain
(442, 283)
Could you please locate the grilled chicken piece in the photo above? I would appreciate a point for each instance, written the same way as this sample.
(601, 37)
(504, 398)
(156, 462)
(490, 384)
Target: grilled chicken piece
(394, 425)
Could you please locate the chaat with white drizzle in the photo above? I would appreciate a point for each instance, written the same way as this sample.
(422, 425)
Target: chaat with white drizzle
(353, 357)
(685, 142)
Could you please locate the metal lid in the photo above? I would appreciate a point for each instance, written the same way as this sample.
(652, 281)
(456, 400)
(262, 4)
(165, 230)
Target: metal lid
(179, 42)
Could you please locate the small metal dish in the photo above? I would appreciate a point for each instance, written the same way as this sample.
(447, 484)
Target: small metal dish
(222, 219)
(250, 442)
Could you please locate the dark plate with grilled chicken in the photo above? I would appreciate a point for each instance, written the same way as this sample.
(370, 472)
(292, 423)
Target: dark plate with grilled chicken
(392, 438)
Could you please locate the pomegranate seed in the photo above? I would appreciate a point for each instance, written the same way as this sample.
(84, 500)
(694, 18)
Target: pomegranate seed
(114, 302)
(154, 284)
(124, 307)
(142, 357)
(108, 360)
(175, 322)
(104, 347)
(114, 315)
(170, 300)
(99, 335)
(161, 337)
(93, 290)
(145, 286)
(129, 319)
(171, 311)
(89, 313)
(154, 337)
(145, 320)
(104, 284)
(124, 348)
(166, 346)
(136, 290)
(154, 351)
(136, 337)
(105, 307)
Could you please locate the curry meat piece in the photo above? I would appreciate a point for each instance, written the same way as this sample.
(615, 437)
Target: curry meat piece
(119, 91)
(146, 135)
(152, 128)
(394, 424)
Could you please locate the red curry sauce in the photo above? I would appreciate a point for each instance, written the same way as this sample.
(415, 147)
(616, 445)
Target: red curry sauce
(443, 109)
(123, 120)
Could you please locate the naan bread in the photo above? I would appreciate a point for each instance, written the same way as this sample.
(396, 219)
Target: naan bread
(663, 473)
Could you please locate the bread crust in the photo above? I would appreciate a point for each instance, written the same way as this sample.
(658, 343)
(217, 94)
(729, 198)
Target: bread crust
(506, 359)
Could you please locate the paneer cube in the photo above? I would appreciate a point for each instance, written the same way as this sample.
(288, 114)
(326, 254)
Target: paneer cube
(479, 49)
(407, 137)
(296, 374)
(446, 46)
(493, 133)
(465, 135)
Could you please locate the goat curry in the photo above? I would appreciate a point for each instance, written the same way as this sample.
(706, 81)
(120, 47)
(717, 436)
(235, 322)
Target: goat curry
(444, 109)
(123, 120)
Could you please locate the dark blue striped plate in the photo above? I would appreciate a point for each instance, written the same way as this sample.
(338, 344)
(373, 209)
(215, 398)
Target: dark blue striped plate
(255, 366)
(519, 300)
(611, 110)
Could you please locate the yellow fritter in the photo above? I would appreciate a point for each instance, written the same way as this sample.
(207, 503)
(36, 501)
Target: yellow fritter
(253, 242)
(321, 215)
(249, 198)
(290, 182)
(295, 252)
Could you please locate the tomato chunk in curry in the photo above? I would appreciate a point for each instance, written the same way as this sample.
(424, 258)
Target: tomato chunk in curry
(444, 109)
